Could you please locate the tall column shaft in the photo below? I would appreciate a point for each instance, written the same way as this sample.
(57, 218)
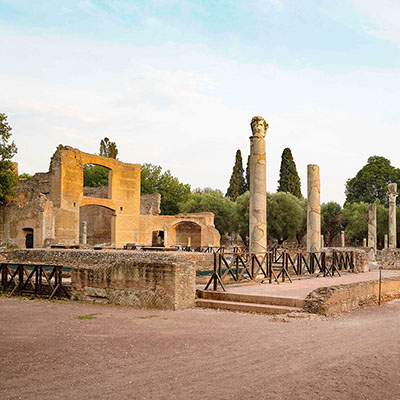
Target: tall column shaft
(372, 229)
(392, 215)
(313, 209)
(258, 196)
(258, 187)
(342, 241)
(84, 233)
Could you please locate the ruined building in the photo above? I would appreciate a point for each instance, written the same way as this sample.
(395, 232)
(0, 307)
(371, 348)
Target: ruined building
(52, 207)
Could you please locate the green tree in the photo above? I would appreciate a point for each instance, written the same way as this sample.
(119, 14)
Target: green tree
(289, 180)
(212, 201)
(284, 215)
(237, 184)
(95, 175)
(355, 221)
(8, 177)
(248, 174)
(242, 216)
(370, 183)
(172, 191)
(331, 222)
(302, 231)
(108, 149)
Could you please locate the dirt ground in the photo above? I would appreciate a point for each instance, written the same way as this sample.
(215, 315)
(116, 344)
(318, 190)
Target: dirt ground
(47, 352)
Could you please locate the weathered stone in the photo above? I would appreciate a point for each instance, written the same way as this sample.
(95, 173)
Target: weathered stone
(313, 209)
(342, 241)
(258, 189)
(392, 187)
(51, 207)
(372, 230)
(385, 241)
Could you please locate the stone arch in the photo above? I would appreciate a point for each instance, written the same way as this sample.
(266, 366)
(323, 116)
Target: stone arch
(100, 220)
(188, 232)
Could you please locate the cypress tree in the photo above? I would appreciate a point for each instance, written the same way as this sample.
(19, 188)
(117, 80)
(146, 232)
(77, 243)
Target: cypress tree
(248, 174)
(289, 180)
(237, 184)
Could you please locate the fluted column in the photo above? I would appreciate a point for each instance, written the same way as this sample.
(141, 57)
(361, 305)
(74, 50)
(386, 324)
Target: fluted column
(258, 187)
(313, 209)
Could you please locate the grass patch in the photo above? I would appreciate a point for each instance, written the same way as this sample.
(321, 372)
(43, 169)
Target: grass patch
(148, 316)
(89, 316)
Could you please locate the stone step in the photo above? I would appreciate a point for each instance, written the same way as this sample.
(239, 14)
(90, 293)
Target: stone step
(250, 298)
(245, 307)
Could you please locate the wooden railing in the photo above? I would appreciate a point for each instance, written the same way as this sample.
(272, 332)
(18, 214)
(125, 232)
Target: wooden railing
(274, 267)
(36, 279)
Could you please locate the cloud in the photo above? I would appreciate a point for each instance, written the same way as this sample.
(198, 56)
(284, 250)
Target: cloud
(188, 110)
(382, 18)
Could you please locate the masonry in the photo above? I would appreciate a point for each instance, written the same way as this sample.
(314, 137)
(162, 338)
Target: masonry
(51, 208)
(139, 279)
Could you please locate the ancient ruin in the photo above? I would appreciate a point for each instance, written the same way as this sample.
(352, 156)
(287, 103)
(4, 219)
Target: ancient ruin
(392, 188)
(372, 231)
(55, 209)
(313, 209)
(258, 189)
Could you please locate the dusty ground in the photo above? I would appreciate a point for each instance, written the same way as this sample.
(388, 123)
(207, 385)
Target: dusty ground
(122, 353)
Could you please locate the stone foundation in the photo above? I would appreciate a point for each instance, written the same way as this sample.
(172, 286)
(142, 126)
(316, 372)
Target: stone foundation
(341, 298)
(139, 279)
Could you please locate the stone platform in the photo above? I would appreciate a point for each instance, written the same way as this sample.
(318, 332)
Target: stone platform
(326, 296)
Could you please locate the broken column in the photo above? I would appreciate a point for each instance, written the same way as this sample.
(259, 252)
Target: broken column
(385, 241)
(342, 242)
(258, 187)
(392, 215)
(313, 209)
(365, 242)
(84, 233)
(372, 230)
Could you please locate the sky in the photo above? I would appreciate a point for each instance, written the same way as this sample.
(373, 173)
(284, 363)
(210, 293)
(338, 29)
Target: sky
(176, 82)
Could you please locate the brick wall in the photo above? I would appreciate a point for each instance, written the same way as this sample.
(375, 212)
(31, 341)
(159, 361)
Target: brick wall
(143, 280)
(341, 298)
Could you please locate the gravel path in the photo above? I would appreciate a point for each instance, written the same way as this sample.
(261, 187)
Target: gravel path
(122, 353)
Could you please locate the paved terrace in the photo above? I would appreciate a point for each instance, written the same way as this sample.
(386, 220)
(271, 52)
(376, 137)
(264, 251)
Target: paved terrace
(300, 288)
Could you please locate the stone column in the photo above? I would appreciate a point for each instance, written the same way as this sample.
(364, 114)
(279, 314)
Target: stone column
(322, 241)
(258, 187)
(372, 230)
(342, 242)
(313, 209)
(392, 215)
(365, 242)
(386, 241)
(165, 227)
(84, 233)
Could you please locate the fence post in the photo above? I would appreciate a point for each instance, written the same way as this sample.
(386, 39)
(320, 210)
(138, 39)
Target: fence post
(323, 263)
(4, 273)
(215, 272)
(20, 278)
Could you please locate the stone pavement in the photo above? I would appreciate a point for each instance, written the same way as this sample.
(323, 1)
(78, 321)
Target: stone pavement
(300, 288)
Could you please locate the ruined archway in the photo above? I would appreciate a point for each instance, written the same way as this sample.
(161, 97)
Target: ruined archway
(188, 233)
(100, 224)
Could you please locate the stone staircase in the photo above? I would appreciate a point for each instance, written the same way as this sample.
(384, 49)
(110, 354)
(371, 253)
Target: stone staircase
(248, 303)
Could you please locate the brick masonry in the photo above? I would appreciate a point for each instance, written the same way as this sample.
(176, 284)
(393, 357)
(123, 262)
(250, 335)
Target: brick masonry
(341, 298)
(142, 280)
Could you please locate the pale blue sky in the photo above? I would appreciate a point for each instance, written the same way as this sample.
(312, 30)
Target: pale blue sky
(176, 83)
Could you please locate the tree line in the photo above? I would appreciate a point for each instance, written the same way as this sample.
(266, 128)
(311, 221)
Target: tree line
(286, 211)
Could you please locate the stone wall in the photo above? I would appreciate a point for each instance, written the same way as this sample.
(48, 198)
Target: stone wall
(150, 204)
(139, 279)
(341, 298)
(391, 258)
